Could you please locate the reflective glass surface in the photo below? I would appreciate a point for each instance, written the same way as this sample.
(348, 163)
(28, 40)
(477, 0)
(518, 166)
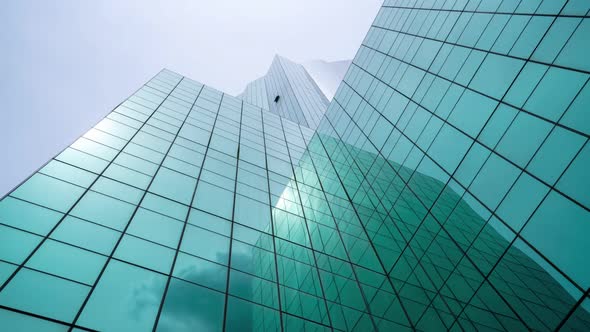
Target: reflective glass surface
(445, 188)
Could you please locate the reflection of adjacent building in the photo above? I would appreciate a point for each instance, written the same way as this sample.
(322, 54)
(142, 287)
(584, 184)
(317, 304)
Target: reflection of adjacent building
(450, 266)
(437, 259)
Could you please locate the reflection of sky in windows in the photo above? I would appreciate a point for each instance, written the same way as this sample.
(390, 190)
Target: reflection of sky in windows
(431, 208)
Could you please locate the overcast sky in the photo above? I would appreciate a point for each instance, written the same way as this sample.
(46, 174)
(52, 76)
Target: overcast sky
(65, 64)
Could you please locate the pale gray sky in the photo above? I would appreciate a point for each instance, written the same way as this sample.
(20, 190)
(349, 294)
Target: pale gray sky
(65, 64)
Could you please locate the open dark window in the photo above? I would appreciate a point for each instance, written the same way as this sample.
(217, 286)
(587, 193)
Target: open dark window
(277, 99)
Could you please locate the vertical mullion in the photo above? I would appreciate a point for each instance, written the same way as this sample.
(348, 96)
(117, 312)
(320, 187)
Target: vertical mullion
(231, 236)
(272, 221)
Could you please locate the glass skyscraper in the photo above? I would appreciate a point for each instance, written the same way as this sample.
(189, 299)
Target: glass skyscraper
(445, 187)
(289, 91)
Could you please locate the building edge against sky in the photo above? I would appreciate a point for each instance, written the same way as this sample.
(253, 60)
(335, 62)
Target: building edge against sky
(446, 187)
(327, 74)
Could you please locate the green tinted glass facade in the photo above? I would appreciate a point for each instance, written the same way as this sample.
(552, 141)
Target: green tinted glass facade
(446, 188)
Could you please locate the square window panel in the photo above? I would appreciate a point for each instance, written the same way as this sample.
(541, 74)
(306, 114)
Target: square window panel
(252, 213)
(173, 185)
(67, 261)
(253, 260)
(556, 37)
(471, 164)
(200, 271)
(27, 216)
(559, 229)
(128, 295)
(211, 222)
(560, 147)
(471, 112)
(117, 190)
(555, 92)
(46, 295)
(525, 83)
(531, 35)
(49, 192)
(87, 235)
(156, 227)
(104, 210)
(14, 321)
(68, 173)
(523, 138)
(189, 307)
(82, 160)
(165, 206)
(127, 176)
(575, 53)
(253, 289)
(496, 74)
(521, 201)
(214, 199)
(497, 125)
(15, 245)
(205, 244)
(449, 147)
(577, 116)
(247, 316)
(575, 182)
(144, 253)
(494, 180)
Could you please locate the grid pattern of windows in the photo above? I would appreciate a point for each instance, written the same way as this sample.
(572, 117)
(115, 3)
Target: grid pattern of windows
(445, 188)
(460, 136)
(175, 212)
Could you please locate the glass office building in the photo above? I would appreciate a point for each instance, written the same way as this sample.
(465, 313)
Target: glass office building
(446, 187)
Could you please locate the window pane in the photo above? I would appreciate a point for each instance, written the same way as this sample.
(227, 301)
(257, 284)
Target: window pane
(214, 199)
(205, 244)
(575, 182)
(190, 307)
(144, 253)
(67, 261)
(128, 295)
(173, 185)
(155, 227)
(246, 316)
(13, 321)
(86, 235)
(15, 245)
(49, 192)
(27, 216)
(104, 210)
(200, 271)
(559, 229)
(46, 295)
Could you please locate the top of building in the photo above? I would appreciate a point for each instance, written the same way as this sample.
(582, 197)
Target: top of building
(287, 89)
